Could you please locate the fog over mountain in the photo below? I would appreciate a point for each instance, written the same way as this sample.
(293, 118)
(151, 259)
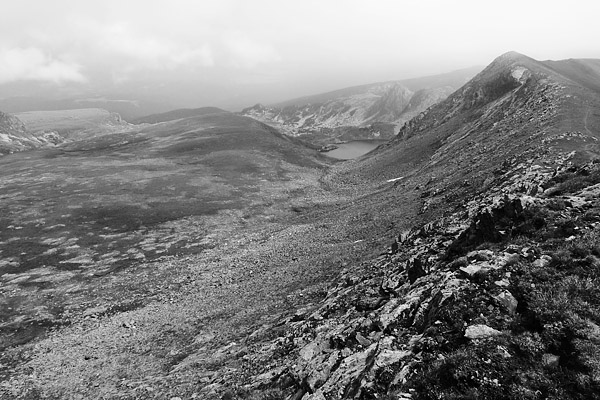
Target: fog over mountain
(233, 54)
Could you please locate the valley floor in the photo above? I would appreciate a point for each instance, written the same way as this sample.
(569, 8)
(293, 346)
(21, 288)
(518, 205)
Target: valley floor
(183, 326)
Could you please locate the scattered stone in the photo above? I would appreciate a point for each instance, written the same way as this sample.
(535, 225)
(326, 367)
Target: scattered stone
(481, 332)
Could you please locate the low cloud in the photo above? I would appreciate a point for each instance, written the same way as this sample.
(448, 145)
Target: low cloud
(131, 49)
(22, 64)
(247, 54)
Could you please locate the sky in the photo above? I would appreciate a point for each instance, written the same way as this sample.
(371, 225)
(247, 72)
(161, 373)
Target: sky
(235, 53)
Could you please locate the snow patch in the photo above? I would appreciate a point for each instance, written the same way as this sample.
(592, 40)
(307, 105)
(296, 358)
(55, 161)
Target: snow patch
(394, 179)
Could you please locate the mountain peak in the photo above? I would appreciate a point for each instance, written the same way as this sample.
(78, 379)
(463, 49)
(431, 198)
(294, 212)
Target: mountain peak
(512, 55)
(510, 59)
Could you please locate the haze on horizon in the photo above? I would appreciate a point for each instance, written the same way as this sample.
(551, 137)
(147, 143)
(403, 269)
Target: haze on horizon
(234, 53)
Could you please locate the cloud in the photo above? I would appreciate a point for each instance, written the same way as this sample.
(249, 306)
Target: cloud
(245, 53)
(128, 47)
(21, 64)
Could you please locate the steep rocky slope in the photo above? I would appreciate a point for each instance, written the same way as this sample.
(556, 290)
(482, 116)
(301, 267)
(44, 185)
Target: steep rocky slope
(491, 294)
(362, 112)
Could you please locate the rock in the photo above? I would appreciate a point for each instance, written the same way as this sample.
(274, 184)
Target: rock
(299, 394)
(391, 282)
(480, 255)
(543, 261)
(362, 340)
(502, 282)
(314, 396)
(474, 269)
(95, 311)
(388, 357)
(459, 262)
(550, 360)
(414, 269)
(394, 247)
(270, 375)
(401, 376)
(508, 301)
(510, 259)
(403, 237)
(313, 349)
(349, 370)
(481, 332)
(320, 370)
(575, 201)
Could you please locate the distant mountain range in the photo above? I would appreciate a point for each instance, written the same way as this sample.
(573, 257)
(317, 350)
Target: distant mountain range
(127, 109)
(373, 111)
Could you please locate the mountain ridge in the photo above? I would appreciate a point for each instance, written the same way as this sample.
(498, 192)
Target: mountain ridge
(467, 302)
(427, 82)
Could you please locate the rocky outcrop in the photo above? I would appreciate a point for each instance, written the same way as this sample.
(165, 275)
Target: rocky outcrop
(380, 103)
(15, 137)
(386, 319)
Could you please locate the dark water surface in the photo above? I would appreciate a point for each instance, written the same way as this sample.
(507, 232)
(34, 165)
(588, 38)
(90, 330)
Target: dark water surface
(353, 149)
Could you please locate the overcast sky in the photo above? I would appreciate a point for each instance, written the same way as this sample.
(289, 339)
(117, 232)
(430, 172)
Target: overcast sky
(227, 52)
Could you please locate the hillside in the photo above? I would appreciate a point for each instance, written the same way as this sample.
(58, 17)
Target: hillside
(372, 111)
(85, 209)
(75, 124)
(487, 293)
(459, 260)
(15, 137)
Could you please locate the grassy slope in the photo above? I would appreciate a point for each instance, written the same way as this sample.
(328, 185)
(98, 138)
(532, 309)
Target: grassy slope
(87, 209)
